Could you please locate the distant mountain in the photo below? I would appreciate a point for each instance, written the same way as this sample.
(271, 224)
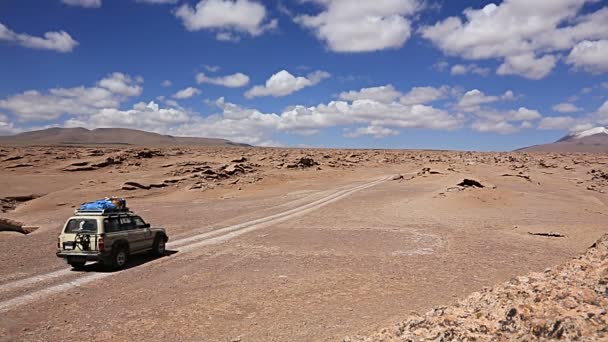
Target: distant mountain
(593, 140)
(107, 136)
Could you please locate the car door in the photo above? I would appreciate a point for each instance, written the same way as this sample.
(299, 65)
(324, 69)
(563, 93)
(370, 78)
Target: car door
(147, 238)
(134, 235)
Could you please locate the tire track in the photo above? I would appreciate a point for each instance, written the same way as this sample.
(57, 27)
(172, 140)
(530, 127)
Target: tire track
(183, 245)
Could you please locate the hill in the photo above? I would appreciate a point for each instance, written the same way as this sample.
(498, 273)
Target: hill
(106, 136)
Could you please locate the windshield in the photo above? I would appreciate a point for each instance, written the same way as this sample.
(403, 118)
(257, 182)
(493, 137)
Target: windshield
(81, 226)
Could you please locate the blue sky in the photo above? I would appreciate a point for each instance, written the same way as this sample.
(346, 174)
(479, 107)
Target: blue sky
(328, 73)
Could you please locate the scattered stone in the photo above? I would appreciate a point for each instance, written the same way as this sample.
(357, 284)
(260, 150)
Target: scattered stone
(239, 160)
(566, 302)
(470, 183)
(16, 166)
(553, 235)
(397, 177)
(12, 158)
(303, 163)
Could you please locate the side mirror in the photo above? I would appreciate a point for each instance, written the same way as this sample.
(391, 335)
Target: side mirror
(147, 225)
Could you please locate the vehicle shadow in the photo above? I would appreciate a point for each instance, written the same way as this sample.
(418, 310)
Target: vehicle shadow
(134, 261)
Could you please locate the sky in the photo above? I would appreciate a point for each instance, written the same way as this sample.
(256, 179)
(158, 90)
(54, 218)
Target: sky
(466, 75)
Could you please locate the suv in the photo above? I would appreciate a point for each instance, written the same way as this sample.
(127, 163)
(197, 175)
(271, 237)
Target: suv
(108, 236)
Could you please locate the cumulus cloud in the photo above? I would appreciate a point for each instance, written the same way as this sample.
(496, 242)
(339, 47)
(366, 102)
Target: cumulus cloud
(110, 92)
(166, 83)
(566, 108)
(500, 127)
(473, 99)
(59, 41)
(384, 94)
(557, 123)
(422, 95)
(6, 127)
(236, 80)
(146, 116)
(528, 65)
(464, 69)
(514, 32)
(601, 115)
(283, 83)
(375, 131)
(590, 55)
(83, 3)
(360, 26)
(186, 93)
(228, 17)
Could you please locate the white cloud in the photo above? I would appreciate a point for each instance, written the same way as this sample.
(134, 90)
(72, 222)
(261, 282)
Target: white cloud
(590, 55)
(119, 83)
(524, 35)
(359, 26)
(229, 17)
(157, 2)
(149, 117)
(528, 66)
(462, 69)
(33, 105)
(236, 80)
(375, 131)
(83, 3)
(471, 100)
(6, 127)
(500, 127)
(186, 93)
(384, 94)
(60, 41)
(283, 83)
(566, 108)
(557, 123)
(423, 95)
(166, 83)
(212, 68)
(601, 115)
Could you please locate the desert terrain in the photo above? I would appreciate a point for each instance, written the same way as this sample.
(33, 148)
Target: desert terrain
(303, 244)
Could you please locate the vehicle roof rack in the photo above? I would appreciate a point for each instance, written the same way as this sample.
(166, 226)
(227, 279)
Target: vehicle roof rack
(102, 211)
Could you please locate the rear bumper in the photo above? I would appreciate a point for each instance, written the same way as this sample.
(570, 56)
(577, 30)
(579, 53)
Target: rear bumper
(82, 256)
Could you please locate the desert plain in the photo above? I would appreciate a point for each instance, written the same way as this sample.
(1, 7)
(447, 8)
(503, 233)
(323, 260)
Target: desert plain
(274, 244)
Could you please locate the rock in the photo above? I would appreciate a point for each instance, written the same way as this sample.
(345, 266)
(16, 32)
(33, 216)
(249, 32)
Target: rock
(239, 160)
(233, 169)
(397, 177)
(470, 183)
(12, 158)
(302, 163)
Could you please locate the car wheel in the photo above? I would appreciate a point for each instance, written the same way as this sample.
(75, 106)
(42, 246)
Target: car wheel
(119, 258)
(77, 265)
(159, 247)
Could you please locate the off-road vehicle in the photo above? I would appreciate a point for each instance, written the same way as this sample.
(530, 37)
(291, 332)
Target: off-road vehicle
(108, 236)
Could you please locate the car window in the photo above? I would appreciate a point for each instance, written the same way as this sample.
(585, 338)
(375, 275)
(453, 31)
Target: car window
(111, 225)
(139, 223)
(126, 223)
(75, 226)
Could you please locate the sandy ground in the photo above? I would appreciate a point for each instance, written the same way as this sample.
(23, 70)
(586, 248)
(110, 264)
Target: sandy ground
(343, 249)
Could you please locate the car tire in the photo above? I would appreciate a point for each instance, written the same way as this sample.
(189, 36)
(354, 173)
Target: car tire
(119, 257)
(77, 265)
(159, 247)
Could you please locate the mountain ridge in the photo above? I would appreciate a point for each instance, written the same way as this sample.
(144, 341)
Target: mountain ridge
(107, 136)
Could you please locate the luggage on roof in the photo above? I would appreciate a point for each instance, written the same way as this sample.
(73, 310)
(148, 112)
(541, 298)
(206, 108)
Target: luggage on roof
(108, 203)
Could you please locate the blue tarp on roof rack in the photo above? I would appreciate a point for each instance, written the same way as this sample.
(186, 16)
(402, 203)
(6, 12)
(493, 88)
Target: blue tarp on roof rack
(104, 204)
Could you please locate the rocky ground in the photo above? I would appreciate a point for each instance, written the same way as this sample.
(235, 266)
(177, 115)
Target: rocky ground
(566, 302)
(442, 226)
